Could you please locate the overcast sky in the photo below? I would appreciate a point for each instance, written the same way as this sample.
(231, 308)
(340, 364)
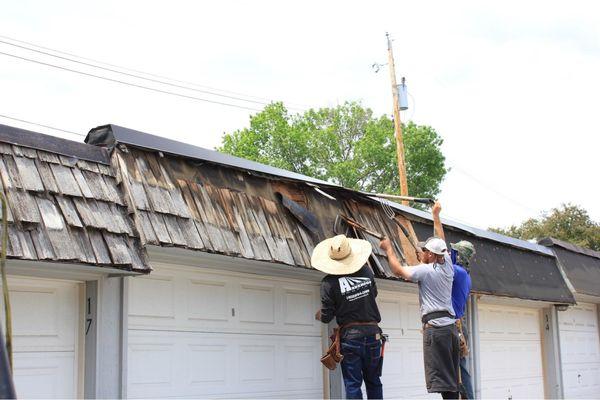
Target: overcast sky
(512, 87)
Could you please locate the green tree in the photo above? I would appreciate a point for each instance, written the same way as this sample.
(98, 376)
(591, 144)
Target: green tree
(568, 222)
(345, 145)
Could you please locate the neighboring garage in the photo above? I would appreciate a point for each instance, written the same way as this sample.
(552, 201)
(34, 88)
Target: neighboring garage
(47, 334)
(579, 330)
(511, 352)
(206, 333)
(580, 351)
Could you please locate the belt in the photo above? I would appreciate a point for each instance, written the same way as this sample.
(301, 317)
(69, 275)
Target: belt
(434, 315)
(351, 324)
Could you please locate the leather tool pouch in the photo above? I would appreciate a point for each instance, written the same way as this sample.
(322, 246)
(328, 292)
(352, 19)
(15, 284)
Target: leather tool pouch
(333, 356)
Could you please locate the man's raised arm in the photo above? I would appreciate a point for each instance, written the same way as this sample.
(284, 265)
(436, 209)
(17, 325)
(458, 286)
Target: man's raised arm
(438, 229)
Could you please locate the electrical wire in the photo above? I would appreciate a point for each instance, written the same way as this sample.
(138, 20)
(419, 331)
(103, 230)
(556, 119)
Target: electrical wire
(128, 83)
(41, 125)
(133, 75)
(181, 84)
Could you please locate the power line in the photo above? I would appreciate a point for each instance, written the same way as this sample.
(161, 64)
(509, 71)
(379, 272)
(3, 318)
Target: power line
(492, 189)
(132, 75)
(42, 125)
(185, 84)
(128, 83)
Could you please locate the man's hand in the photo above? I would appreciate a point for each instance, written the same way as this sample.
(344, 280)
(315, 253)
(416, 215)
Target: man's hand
(385, 245)
(318, 315)
(437, 207)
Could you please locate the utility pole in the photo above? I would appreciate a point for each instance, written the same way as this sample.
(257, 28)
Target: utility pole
(397, 123)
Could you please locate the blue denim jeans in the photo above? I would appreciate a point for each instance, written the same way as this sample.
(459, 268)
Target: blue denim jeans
(466, 389)
(362, 362)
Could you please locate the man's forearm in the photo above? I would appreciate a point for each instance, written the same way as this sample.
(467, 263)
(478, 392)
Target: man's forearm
(438, 228)
(397, 268)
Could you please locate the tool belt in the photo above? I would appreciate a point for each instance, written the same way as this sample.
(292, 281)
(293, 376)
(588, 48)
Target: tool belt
(434, 315)
(464, 346)
(333, 355)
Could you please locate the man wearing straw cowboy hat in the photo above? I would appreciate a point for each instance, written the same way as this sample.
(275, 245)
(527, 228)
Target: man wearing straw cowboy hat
(440, 334)
(348, 293)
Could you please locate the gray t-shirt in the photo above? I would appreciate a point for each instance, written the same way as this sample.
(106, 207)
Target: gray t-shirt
(435, 289)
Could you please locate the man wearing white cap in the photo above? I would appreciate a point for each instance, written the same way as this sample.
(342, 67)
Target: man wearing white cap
(440, 335)
(348, 293)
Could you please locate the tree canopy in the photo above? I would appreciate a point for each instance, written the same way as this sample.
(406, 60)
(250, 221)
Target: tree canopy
(568, 222)
(346, 145)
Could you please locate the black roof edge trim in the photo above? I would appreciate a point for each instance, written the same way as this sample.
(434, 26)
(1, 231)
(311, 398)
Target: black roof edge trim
(101, 136)
(53, 144)
(477, 232)
(549, 242)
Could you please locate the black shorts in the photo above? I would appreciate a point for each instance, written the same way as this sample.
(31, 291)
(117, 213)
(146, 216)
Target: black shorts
(441, 355)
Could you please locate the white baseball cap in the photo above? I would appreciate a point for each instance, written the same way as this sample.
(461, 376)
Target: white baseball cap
(435, 245)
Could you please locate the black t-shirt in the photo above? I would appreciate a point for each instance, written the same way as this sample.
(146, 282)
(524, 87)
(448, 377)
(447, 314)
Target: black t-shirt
(351, 298)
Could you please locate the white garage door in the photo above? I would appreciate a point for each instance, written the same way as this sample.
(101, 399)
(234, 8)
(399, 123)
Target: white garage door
(511, 352)
(580, 351)
(403, 371)
(46, 334)
(215, 334)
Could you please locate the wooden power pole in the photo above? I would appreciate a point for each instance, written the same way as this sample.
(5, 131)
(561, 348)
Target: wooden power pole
(397, 123)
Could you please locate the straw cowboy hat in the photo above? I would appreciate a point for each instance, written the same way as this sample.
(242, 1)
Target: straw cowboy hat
(340, 255)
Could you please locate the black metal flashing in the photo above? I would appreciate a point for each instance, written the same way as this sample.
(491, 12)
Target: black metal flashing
(581, 265)
(111, 135)
(496, 237)
(508, 271)
(549, 242)
(53, 144)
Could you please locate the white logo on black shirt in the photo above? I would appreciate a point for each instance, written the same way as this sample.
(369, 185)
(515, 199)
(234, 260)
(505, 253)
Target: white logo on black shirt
(354, 288)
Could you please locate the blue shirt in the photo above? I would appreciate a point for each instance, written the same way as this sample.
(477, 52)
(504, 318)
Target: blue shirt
(461, 286)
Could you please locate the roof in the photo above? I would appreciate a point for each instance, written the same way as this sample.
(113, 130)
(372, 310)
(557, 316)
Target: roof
(203, 200)
(110, 135)
(581, 265)
(144, 190)
(62, 206)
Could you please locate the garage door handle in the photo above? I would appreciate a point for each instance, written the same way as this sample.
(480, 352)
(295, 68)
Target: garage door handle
(233, 312)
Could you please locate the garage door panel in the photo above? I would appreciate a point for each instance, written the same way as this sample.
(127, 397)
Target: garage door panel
(203, 364)
(256, 305)
(43, 375)
(511, 356)
(390, 310)
(232, 335)
(208, 300)
(44, 315)
(299, 306)
(152, 297)
(580, 351)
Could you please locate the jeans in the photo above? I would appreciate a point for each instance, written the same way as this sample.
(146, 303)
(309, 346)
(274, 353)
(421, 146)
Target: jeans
(362, 362)
(466, 389)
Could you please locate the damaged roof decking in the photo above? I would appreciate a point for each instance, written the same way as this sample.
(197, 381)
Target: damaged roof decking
(581, 265)
(202, 206)
(64, 208)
